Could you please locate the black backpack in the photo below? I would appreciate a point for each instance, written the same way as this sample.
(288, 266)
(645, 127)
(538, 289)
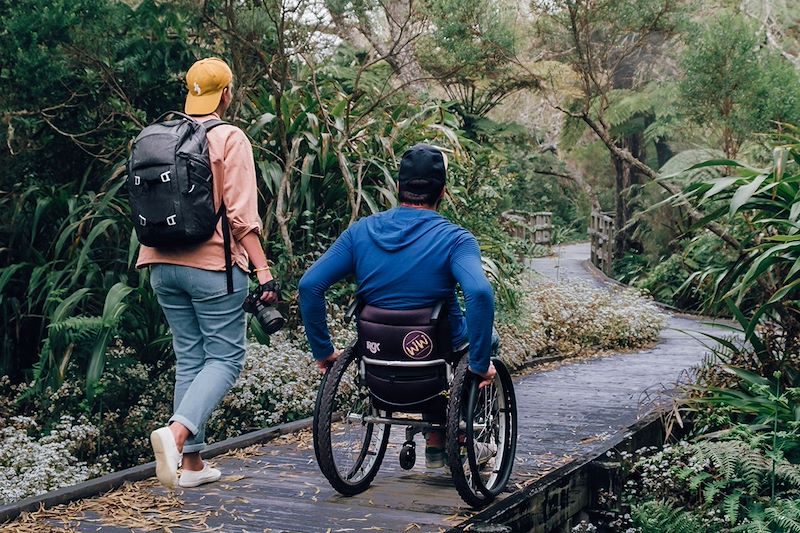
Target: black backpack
(171, 186)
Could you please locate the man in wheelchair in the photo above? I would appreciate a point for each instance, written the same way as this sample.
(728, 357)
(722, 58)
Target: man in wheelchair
(409, 258)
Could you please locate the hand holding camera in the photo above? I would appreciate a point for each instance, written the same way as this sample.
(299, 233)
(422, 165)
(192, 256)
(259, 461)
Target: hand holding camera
(260, 303)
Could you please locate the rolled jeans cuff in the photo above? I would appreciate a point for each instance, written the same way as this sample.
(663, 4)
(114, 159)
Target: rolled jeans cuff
(193, 429)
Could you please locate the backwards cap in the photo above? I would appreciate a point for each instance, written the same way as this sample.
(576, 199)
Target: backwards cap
(423, 169)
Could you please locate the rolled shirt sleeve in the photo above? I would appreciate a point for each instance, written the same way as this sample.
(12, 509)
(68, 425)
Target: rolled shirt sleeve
(239, 190)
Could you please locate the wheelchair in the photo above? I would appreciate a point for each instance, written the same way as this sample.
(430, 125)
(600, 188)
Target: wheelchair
(402, 364)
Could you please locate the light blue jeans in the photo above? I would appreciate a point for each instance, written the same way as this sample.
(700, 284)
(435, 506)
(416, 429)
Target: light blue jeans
(208, 334)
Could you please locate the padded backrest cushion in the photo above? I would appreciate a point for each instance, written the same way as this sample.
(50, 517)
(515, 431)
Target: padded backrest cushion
(403, 335)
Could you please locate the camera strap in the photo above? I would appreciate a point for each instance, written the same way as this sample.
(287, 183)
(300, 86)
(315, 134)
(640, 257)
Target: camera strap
(226, 239)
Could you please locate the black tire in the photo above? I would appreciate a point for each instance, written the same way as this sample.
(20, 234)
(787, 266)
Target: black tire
(350, 463)
(487, 416)
(408, 457)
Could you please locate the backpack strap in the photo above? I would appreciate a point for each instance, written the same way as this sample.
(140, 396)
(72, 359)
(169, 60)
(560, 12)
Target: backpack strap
(208, 124)
(213, 123)
(226, 238)
(222, 213)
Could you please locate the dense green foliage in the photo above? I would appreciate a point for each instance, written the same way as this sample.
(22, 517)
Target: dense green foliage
(733, 84)
(326, 139)
(637, 107)
(741, 472)
(85, 344)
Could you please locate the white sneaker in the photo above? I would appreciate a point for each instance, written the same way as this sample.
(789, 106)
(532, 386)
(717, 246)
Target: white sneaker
(193, 478)
(484, 452)
(167, 456)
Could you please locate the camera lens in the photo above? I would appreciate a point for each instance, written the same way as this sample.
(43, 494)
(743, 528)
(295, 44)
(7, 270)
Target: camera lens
(270, 319)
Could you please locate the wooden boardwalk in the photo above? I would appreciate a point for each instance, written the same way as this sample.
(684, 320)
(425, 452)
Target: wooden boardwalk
(565, 410)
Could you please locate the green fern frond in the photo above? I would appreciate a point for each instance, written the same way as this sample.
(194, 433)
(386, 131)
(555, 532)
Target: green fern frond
(786, 522)
(788, 473)
(752, 525)
(698, 479)
(661, 517)
(730, 506)
(723, 455)
(714, 488)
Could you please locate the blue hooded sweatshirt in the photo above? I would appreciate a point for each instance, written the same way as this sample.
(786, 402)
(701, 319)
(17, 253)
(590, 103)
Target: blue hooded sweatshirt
(405, 258)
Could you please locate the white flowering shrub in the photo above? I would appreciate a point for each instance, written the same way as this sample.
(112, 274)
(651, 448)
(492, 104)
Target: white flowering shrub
(573, 317)
(31, 465)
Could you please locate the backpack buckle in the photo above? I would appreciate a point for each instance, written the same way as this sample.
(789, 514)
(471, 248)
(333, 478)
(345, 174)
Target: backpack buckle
(165, 176)
(137, 180)
(171, 219)
(142, 220)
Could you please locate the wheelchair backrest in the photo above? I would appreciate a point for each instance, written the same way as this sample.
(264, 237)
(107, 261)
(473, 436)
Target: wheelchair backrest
(404, 355)
(404, 335)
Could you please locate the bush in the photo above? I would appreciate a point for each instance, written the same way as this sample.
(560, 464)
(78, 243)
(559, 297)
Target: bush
(573, 317)
(31, 465)
(278, 383)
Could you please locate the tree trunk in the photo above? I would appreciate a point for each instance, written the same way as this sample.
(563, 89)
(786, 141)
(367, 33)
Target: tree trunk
(622, 169)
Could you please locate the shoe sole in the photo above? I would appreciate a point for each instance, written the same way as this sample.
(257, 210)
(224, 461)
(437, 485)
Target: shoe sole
(166, 475)
(198, 483)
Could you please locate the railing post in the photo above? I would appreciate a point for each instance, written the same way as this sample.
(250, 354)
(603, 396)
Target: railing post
(530, 226)
(601, 234)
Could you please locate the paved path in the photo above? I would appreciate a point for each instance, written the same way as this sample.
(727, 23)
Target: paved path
(563, 411)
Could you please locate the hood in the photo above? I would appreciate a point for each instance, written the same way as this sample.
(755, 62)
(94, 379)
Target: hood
(396, 228)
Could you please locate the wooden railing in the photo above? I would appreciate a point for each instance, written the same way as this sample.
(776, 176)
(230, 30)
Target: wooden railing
(537, 226)
(601, 233)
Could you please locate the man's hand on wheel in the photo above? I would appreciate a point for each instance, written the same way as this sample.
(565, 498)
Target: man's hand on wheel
(487, 376)
(325, 364)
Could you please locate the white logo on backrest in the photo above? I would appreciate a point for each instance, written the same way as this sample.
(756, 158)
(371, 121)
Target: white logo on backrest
(373, 347)
(197, 88)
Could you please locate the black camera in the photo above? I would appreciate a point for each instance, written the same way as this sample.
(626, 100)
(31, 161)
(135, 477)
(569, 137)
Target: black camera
(268, 316)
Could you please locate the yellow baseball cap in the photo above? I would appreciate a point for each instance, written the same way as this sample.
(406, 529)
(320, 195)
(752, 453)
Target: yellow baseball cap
(206, 80)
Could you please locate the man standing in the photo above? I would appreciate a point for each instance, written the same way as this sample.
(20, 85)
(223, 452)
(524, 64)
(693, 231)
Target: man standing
(408, 257)
(201, 298)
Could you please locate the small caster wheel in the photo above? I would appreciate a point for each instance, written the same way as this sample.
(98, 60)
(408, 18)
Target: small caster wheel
(408, 456)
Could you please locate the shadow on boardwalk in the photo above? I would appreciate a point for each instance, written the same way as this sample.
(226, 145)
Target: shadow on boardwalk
(563, 412)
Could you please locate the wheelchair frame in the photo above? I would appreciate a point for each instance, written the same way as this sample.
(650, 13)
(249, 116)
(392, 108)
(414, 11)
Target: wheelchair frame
(460, 427)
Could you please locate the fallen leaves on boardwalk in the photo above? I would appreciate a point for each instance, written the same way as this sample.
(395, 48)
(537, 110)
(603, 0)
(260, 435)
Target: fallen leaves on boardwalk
(134, 505)
(303, 439)
(533, 467)
(245, 453)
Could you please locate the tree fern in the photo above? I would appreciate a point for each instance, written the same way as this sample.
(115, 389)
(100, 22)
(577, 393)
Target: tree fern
(679, 163)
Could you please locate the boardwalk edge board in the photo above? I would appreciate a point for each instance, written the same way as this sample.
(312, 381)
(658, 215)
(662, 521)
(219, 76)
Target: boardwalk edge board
(553, 501)
(108, 482)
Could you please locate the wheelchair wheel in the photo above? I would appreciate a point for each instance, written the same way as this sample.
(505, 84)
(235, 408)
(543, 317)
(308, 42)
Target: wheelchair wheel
(481, 434)
(349, 451)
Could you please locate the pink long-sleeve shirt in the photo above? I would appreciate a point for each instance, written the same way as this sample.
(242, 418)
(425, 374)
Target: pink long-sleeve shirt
(234, 176)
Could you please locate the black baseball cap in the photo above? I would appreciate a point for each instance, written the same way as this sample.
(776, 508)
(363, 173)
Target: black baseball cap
(423, 169)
